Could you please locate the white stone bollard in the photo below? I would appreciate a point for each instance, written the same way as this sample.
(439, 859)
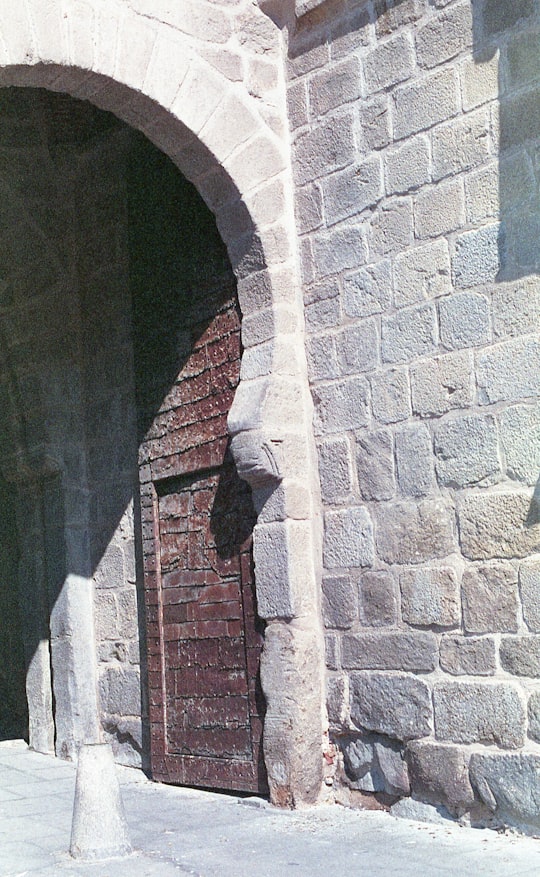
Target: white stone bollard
(99, 828)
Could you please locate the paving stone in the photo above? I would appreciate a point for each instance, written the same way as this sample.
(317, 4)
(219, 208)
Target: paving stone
(489, 598)
(489, 713)
(430, 596)
(398, 706)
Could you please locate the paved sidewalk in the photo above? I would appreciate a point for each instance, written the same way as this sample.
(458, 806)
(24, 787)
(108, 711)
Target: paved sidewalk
(180, 831)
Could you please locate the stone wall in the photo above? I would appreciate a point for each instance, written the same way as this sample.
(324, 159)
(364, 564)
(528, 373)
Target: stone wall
(414, 132)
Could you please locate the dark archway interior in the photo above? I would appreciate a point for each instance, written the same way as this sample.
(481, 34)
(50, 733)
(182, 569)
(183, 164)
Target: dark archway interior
(107, 254)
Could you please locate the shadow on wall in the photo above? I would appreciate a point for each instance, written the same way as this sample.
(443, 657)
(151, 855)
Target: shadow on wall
(107, 252)
(506, 35)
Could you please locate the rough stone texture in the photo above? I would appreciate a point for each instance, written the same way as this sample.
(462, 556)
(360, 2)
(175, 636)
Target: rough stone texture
(509, 372)
(430, 596)
(390, 396)
(520, 427)
(509, 785)
(498, 525)
(414, 458)
(414, 532)
(490, 598)
(368, 291)
(408, 334)
(335, 469)
(422, 273)
(389, 651)
(340, 603)
(468, 656)
(467, 712)
(348, 540)
(477, 257)
(464, 320)
(466, 451)
(534, 716)
(397, 706)
(340, 405)
(379, 599)
(375, 465)
(529, 589)
(440, 775)
(375, 764)
(520, 655)
(442, 384)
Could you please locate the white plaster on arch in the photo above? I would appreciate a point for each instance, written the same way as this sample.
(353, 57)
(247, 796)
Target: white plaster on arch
(152, 77)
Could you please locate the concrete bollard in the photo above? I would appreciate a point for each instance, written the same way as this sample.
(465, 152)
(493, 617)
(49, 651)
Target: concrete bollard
(99, 828)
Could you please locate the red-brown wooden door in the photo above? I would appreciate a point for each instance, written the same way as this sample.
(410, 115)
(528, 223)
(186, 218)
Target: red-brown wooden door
(203, 636)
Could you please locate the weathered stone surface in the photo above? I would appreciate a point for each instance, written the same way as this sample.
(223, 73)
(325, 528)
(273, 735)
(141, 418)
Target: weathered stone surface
(489, 598)
(466, 451)
(509, 372)
(509, 785)
(392, 766)
(516, 307)
(498, 525)
(464, 320)
(438, 385)
(335, 469)
(409, 333)
(340, 602)
(440, 775)
(477, 256)
(120, 692)
(391, 227)
(425, 102)
(410, 808)
(390, 63)
(414, 457)
(439, 209)
(348, 539)
(430, 596)
(378, 599)
(349, 192)
(375, 465)
(341, 405)
(358, 347)
(360, 766)
(414, 532)
(368, 291)
(392, 650)
(520, 655)
(407, 168)
(420, 273)
(444, 36)
(533, 711)
(337, 701)
(520, 429)
(467, 712)
(390, 395)
(461, 144)
(529, 589)
(396, 705)
(468, 656)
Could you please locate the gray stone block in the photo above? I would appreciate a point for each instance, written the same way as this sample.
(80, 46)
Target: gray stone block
(341, 405)
(368, 291)
(509, 785)
(439, 209)
(414, 532)
(533, 711)
(482, 712)
(520, 429)
(464, 320)
(340, 601)
(409, 333)
(499, 16)
(439, 774)
(529, 589)
(339, 249)
(398, 706)
(414, 458)
(390, 650)
(391, 395)
(322, 357)
(392, 766)
(489, 598)
(336, 701)
(467, 451)
(445, 36)
(391, 227)
(358, 347)
(468, 656)
(430, 596)
(348, 539)
(334, 86)
(522, 59)
(374, 123)
(478, 257)
(120, 692)
(375, 464)
(461, 144)
(441, 384)
(378, 599)
(424, 102)
(390, 63)
(516, 308)
(331, 651)
(520, 655)
(335, 469)
(324, 148)
(418, 811)
(509, 372)
(498, 525)
(408, 167)
(422, 273)
(351, 191)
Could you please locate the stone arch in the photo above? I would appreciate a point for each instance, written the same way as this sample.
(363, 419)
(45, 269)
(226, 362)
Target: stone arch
(152, 77)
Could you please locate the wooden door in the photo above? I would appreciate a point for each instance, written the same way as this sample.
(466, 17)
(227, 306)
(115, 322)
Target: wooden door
(203, 636)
